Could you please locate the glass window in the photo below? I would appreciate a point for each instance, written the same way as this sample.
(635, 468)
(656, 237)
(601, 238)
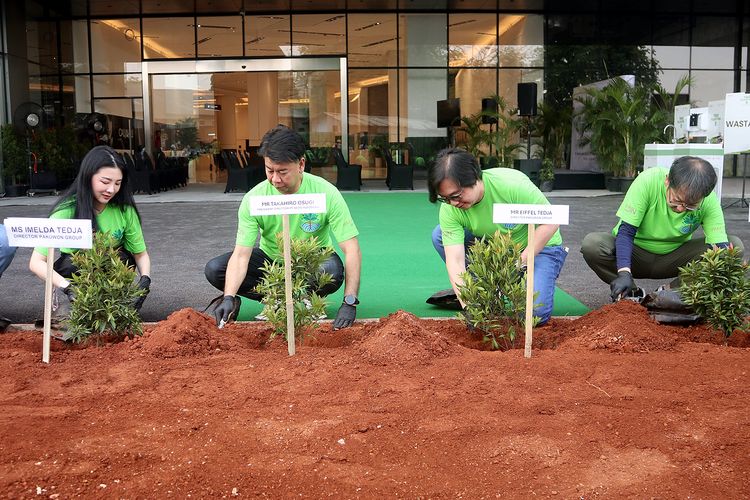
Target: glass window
(168, 6)
(267, 36)
(318, 34)
(471, 86)
(373, 108)
(372, 40)
(110, 8)
(509, 80)
(473, 39)
(423, 40)
(712, 57)
(420, 89)
(83, 94)
(74, 47)
(168, 37)
(219, 36)
(521, 40)
(41, 47)
(567, 29)
(710, 86)
(117, 46)
(118, 85)
(672, 56)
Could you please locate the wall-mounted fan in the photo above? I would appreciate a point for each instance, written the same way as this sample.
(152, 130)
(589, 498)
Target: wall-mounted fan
(97, 125)
(27, 119)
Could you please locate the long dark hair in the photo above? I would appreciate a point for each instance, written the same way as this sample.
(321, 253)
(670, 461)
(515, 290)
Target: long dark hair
(80, 194)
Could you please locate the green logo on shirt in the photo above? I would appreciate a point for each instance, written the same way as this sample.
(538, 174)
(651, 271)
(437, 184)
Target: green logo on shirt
(689, 223)
(310, 223)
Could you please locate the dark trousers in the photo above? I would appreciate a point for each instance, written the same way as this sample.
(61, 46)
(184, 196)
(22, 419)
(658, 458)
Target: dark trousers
(598, 251)
(216, 272)
(65, 268)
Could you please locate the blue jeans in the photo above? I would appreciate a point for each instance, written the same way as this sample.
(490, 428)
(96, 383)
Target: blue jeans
(547, 266)
(6, 252)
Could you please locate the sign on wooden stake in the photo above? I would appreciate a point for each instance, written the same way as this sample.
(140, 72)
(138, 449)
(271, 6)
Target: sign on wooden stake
(50, 233)
(285, 205)
(529, 214)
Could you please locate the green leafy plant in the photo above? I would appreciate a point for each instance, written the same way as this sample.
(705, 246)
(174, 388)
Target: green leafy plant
(503, 140)
(15, 160)
(618, 120)
(717, 287)
(104, 290)
(551, 129)
(547, 173)
(307, 257)
(494, 290)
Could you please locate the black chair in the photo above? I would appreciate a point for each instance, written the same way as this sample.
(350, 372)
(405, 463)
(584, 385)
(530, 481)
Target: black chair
(348, 176)
(398, 176)
(256, 167)
(146, 179)
(237, 177)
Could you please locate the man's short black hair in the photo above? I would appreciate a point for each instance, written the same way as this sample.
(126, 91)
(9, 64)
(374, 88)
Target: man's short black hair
(693, 176)
(282, 145)
(455, 164)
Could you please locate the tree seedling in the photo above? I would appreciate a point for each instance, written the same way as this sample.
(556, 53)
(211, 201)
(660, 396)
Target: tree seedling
(717, 287)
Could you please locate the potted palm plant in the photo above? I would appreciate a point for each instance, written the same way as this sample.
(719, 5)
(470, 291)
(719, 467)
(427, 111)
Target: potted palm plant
(502, 140)
(618, 120)
(15, 169)
(547, 176)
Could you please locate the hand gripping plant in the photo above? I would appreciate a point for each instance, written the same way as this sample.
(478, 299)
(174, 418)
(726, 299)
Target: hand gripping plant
(718, 288)
(494, 290)
(105, 290)
(307, 258)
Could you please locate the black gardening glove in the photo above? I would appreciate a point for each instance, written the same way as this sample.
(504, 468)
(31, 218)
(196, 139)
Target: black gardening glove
(345, 317)
(622, 285)
(70, 293)
(143, 284)
(227, 311)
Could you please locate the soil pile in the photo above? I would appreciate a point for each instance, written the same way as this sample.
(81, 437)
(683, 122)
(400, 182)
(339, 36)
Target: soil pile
(402, 338)
(620, 327)
(184, 333)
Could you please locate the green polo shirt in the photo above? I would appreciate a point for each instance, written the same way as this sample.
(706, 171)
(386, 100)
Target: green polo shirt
(336, 220)
(661, 230)
(501, 185)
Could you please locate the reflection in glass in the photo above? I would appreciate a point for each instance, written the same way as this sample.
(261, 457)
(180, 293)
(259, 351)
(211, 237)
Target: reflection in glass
(168, 37)
(471, 86)
(219, 36)
(372, 40)
(423, 40)
(521, 40)
(319, 34)
(117, 47)
(710, 86)
(74, 47)
(124, 85)
(473, 39)
(267, 36)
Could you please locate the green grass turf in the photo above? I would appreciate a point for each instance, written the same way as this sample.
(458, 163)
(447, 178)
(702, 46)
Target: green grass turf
(400, 268)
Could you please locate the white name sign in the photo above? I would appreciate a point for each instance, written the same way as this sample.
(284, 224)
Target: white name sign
(48, 233)
(737, 123)
(288, 204)
(529, 214)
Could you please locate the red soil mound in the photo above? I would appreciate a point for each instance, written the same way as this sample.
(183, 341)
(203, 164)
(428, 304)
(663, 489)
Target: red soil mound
(184, 333)
(401, 338)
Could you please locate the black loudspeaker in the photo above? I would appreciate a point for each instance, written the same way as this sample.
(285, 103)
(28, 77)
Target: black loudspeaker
(527, 99)
(489, 106)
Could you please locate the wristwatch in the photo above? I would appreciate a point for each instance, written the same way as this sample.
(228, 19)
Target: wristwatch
(351, 300)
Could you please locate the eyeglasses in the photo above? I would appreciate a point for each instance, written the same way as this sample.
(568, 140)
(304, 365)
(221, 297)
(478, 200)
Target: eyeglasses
(450, 199)
(679, 204)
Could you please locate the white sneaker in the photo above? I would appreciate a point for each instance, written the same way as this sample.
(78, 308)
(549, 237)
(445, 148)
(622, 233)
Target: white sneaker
(261, 317)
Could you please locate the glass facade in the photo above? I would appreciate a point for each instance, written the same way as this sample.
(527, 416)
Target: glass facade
(236, 68)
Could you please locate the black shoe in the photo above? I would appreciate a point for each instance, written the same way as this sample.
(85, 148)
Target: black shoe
(445, 299)
(4, 324)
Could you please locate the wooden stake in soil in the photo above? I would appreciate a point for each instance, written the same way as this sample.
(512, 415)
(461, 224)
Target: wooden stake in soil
(288, 285)
(529, 292)
(48, 305)
(49, 234)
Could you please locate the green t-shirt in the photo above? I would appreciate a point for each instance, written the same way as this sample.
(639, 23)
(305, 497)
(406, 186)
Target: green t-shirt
(501, 185)
(121, 223)
(336, 220)
(661, 230)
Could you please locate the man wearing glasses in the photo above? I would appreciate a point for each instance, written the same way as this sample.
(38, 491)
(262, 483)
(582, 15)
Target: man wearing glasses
(658, 216)
(467, 194)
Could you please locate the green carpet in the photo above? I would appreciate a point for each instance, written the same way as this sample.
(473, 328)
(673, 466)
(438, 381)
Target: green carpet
(400, 268)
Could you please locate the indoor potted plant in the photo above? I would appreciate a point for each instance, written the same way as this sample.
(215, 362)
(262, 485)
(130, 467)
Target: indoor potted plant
(15, 169)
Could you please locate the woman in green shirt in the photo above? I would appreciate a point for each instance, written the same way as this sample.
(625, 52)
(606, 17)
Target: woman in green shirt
(101, 193)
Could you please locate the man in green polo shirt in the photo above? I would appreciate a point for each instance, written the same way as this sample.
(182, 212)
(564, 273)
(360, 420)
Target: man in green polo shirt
(658, 216)
(239, 271)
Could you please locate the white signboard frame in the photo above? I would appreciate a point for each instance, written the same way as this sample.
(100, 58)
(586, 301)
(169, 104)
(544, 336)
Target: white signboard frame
(503, 213)
(736, 123)
(50, 233)
(285, 205)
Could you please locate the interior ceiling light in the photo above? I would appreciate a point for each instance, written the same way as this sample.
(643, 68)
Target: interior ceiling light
(331, 19)
(367, 27)
(462, 22)
(311, 33)
(212, 26)
(255, 40)
(202, 40)
(379, 42)
(155, 46)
